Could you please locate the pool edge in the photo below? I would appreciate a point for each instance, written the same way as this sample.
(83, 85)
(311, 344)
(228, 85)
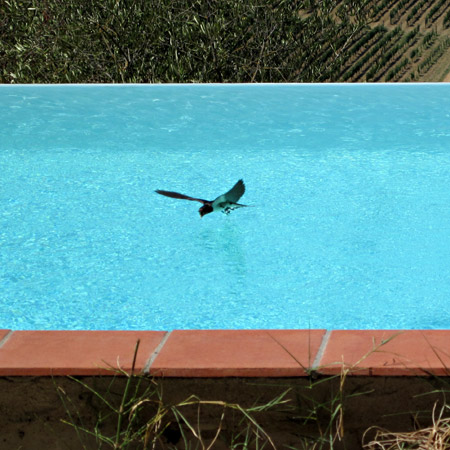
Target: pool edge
(226, 353)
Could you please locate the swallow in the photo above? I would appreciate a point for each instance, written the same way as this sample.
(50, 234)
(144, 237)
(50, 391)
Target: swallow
(224, 203)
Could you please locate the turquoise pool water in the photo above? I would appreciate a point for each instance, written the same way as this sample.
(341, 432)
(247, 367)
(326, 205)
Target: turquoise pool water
(350, 226)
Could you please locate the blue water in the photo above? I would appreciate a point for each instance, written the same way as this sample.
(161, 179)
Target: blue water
(350, 226)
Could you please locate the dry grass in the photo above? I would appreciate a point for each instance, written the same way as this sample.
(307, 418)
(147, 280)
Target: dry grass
(435, 437)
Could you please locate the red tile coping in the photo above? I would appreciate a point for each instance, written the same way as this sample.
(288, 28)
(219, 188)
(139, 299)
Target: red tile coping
(387, 352)
(75, 352)
(226, 353)
(239, 353)
(3, 334)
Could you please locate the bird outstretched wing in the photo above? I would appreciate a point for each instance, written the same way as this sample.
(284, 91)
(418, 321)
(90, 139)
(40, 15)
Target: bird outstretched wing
(234, 194)
(180, 196)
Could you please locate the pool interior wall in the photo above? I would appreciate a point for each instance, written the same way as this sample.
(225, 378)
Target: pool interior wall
(35, 409)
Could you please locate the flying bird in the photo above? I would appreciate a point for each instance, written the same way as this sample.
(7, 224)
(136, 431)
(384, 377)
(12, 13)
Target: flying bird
(224, 203)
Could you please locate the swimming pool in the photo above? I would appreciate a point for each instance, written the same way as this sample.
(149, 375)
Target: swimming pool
(350, 226)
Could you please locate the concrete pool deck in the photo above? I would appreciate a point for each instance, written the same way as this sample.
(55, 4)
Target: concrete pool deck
(226, 353)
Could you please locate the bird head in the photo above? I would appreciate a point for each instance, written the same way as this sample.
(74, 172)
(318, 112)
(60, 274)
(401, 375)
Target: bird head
(205, 209)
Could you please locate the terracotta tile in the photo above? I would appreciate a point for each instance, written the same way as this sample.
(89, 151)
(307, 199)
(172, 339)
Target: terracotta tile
(3, 334)
(409, 352)
(244, 353)
(75, 352)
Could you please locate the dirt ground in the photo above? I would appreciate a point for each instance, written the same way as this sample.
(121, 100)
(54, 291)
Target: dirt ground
(32, 409)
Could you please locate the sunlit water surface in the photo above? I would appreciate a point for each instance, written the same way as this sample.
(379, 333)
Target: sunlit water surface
(350, 224)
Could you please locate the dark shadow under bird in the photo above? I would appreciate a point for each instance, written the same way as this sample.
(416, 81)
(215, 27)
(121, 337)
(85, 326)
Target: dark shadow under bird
(224, 203)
